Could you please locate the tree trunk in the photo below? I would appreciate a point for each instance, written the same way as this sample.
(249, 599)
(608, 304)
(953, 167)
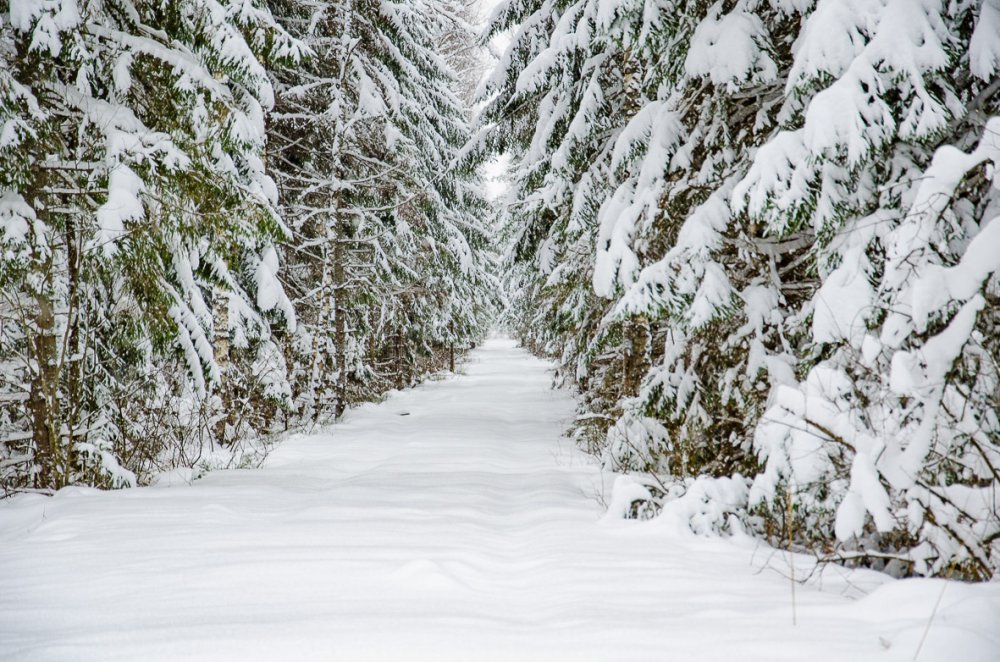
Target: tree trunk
(397, 339)
(43, 400)
(635, 363)
(220, 313)
(340, 314)
(636, 360)
(326, 297)
(74, 351)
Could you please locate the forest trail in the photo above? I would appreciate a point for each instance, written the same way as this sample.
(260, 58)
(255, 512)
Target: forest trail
(451, 522)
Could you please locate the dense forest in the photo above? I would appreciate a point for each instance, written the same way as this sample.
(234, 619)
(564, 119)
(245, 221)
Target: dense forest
(226, 219)
(762, 240)
(759, 238)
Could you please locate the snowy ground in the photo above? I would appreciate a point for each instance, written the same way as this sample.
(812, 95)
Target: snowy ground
(467, 530)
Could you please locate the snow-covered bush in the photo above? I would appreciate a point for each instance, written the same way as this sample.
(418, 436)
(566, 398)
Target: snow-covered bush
(903, 417)
(635, 443)
(895, 428)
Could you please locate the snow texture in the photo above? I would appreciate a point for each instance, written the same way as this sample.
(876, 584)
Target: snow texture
(467, 529)
(728, 49)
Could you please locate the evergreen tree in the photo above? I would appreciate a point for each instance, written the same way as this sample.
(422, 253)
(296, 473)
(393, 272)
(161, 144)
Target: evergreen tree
(768, 250)
(388, 258)
(887, 125)
(135, 209)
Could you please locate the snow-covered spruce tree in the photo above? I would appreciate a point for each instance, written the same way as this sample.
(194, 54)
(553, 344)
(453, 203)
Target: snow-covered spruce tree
(783, 205)
(667, 336)
(719, 294)
(888, 155)
(451, 298)
(559, 97)
(388, 260)
(455, 38)
(136, 218)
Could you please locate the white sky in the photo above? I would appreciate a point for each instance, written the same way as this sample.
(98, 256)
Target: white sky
(493, 172)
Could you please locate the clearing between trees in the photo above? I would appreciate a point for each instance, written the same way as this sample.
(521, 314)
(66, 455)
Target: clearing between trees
(452, 521)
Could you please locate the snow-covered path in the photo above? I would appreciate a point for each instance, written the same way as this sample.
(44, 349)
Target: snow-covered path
(469, 529)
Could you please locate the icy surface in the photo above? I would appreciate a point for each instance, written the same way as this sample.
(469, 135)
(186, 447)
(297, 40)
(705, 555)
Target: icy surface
(451, 522)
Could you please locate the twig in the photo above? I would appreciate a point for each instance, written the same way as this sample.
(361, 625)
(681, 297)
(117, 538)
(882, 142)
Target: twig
(930, 620)
(791, 558)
